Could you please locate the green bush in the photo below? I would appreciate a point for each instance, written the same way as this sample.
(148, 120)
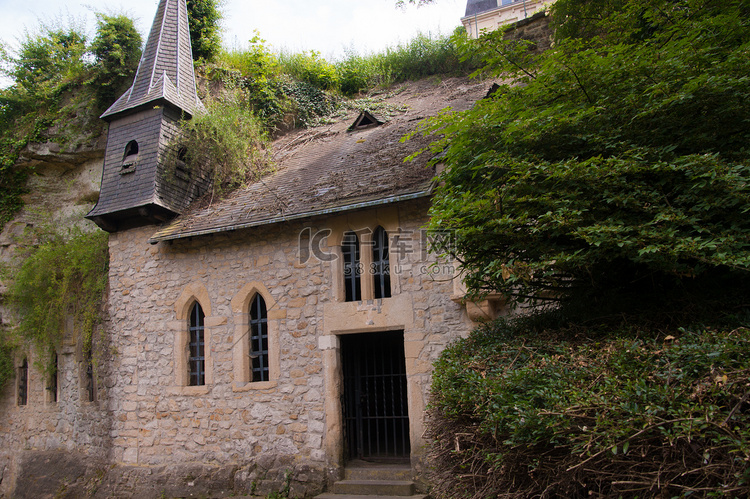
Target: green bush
(117, 48)
(228, 144)
(49, 57)
(427, 55)
(204, 19)
(310, 67)
(518, 411)
(310, 102)
(360, 73)
(258, 61)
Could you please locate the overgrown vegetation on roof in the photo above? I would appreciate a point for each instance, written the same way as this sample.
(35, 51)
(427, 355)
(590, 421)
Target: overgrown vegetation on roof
(62, 82)
(228, 144)
(287, 90)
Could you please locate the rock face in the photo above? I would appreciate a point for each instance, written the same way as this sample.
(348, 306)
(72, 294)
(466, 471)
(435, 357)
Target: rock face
(62, 187)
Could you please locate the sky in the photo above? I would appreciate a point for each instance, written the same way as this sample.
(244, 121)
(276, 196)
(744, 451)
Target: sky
(328, 26)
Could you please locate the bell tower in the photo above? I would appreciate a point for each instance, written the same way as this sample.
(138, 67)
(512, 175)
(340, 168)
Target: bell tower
(144, 180)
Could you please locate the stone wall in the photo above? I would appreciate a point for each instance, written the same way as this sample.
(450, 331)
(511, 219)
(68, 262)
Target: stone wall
(535, 29)
(147, 433)
(62, 187)
(507, 13)
(269, 428)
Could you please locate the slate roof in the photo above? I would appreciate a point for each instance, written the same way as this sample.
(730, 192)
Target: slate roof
(329, 169)
(165, 72)
(479, 6)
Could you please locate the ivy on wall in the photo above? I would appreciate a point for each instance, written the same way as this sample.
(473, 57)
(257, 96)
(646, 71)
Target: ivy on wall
(63, 278)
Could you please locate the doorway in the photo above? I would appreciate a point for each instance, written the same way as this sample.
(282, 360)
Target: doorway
(375, 402)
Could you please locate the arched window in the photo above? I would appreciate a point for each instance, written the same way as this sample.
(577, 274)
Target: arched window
(181, 168)
(90, 383)
(23, 383)
(131, 152)
(197, 357)
(258, 340)
(380, 267)
(352, 271)
(53, 380)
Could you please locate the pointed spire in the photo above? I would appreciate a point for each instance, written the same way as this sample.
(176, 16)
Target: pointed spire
(165, 72)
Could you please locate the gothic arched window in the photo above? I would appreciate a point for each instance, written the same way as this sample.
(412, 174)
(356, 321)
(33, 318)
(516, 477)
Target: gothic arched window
(197, 357)
(352, 271)
(258, 339)
(23, 383)
(380, 267)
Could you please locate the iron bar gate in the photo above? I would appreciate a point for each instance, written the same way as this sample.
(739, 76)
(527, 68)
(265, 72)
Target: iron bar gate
(375, 402)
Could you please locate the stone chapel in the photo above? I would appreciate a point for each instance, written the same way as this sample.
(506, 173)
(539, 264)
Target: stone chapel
(283, 336)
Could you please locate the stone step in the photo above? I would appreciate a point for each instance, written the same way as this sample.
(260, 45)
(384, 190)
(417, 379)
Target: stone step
(398, 488)
(329, 495)
(378, 472)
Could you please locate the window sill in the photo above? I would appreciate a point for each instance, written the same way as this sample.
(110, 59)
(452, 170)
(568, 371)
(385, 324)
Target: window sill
(258, 385)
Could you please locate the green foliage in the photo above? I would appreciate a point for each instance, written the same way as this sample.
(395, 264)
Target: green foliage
(289, 89)
(62, 278)
(58, 93)
(257, 61)
(518, 409)
(49, 57)
(426, 55)
(617, 163)
(117, 48)
(7, 355)
(310, 67)
(204, 18)
(256, 72)
(12, 186)
(310, 102)
(359, 73)
(227, 144)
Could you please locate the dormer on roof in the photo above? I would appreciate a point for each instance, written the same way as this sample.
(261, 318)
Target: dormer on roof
(142, 182)
(365, 120)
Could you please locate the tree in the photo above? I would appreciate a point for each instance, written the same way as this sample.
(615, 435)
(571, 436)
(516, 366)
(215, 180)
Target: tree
(204, 17)
(49, 57)
(117, 48)
(616, 161)
(56, 77)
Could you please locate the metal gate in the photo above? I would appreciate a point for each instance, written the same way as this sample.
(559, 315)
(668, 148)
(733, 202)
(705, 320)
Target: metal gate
(375, 402)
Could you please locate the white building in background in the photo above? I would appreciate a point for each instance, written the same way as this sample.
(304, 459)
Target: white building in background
(488, 15)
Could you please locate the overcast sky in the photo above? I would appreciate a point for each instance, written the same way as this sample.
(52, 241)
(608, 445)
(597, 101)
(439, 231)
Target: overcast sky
(327, 26)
